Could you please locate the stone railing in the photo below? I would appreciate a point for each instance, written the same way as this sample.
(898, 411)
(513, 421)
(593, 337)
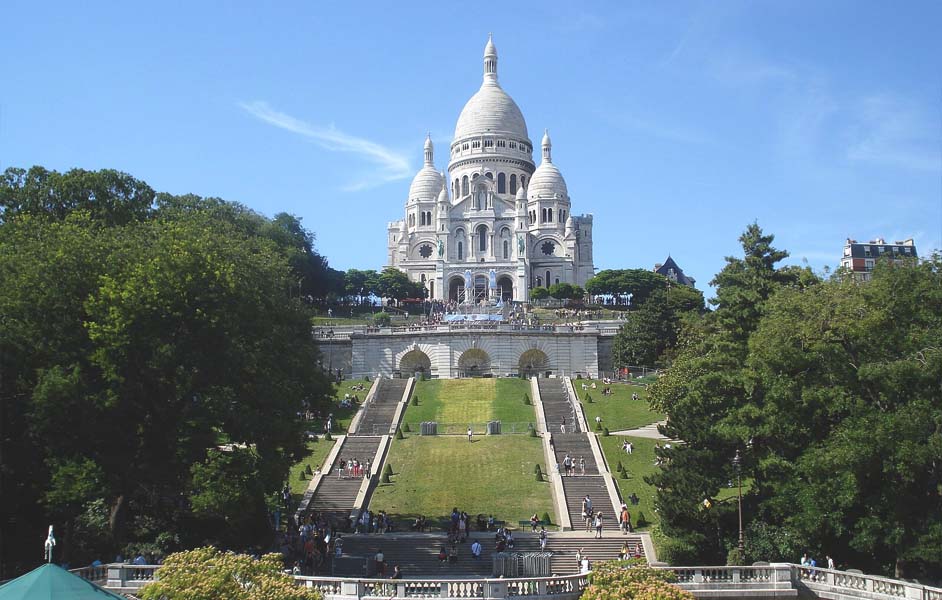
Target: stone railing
(837, 585)
(773, 581)
(560, 588)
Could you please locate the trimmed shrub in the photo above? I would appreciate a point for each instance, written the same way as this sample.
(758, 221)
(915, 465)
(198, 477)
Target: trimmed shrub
(624, 474)
(387, 470)
(620, 467)
(406, 428)
(532, 432)
(538, 474)
(302, 476)
(676, 552)
(642, 521)
(605, 432)
(328, 437)
(526, 399)
(308, 470)
(588, 398)
(598, 426)
(399, 435)
(537, 469)
(385, 478)
(546, 518)
(415, 400)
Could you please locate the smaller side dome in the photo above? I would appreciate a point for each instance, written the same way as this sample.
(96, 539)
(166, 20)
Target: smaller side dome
(443, 195)
(521, 193)
(547, 181)
(427, 182)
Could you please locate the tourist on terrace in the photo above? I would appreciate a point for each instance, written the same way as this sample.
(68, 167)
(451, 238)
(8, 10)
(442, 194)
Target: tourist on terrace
(598, 525)
(476, 550)
(542, 539)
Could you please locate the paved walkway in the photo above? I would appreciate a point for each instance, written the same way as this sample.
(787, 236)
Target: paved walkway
(648, 431)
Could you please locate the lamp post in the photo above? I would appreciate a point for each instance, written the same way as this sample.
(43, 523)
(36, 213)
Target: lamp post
(737, 464)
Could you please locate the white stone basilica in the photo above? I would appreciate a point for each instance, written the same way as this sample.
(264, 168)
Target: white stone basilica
(496, 214)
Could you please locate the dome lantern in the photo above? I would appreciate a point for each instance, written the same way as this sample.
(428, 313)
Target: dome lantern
(429, 150)
(490, 60)
(547, 147)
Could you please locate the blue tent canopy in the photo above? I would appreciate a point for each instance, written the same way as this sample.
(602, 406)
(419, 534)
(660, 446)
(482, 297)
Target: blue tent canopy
(50, 582)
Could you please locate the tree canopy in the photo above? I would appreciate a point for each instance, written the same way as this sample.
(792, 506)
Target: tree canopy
(131, 349)
(830, 391)
(209, 573)
(639, 283)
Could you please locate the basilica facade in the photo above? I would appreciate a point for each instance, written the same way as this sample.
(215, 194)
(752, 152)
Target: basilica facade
(494, 225)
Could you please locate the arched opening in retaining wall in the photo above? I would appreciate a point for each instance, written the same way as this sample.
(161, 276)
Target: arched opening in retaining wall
(533, 363)
(474, 363)
(415, 361)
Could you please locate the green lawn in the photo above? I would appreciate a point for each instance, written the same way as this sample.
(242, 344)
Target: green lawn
(465, 401)
(639, 464)
(618, 411)
(492, 475)
(317, 452)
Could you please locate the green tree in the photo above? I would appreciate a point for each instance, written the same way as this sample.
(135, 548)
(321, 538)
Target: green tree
(209, 573)
(539, 293)
(639, 283)
(130, 349)
(393, 283)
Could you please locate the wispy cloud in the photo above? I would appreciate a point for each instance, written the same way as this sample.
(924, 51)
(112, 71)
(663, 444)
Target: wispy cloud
(655, 128)
(391, 165)
(891, 131)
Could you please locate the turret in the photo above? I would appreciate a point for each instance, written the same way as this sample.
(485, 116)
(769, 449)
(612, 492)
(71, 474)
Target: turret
(490, 60)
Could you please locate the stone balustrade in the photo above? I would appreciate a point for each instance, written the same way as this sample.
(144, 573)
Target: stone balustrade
(777, 580)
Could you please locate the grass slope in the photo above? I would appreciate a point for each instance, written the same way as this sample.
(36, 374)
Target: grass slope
(639, 464)
(470, 401)
(618, 411)
(316, 453)
(492, 475)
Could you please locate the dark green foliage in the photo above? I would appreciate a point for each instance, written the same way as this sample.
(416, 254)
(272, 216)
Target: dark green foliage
(619, 467)
(308, 469)
(387, 470)
(386, 476)
(624, 473)
(640, 283)
(588, 398)
(536, 468)
(532, 431)
(546, 518)
(138, 332)
(598, 426)
(399, 435)
(605, 432)
(328, 437)
(415, 400)
(526, 399)
(734, 558)
(829, 390)
(641, 521)
(382, 319)
(302, 475)
(406, 428)
(539, 293)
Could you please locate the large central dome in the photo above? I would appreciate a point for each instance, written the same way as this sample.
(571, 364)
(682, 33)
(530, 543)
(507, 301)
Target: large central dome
(491, 110)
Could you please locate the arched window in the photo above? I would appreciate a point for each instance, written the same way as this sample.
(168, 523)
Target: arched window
(506, 249)
(547, 279)
(550, 216)
(460, 251)
(501, 183)
(523, 181)
(456, 190)
(543, 216)
(464, 185)
(482, 238)
(557, 280)
(489, 176)
(513, 184)
(539, 282)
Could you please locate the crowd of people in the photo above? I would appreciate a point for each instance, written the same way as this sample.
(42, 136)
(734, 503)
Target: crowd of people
(307, 550)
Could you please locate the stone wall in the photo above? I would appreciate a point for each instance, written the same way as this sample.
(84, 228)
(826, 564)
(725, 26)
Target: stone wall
(476, 352)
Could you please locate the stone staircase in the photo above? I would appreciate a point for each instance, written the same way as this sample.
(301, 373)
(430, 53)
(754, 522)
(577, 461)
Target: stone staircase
(417, 554)
(577, 446)
(336, 496)
(379, 413)
(556, 406)
(576, 488)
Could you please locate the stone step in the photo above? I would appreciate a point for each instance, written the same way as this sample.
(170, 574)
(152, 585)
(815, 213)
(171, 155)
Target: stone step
(417, 555)
(379, 413)
(576, 488)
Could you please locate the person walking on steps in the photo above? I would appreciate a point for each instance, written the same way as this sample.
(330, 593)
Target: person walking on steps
(542, 539)
(598, 525)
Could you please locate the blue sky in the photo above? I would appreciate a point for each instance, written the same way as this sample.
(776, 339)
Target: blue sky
(675, 123)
